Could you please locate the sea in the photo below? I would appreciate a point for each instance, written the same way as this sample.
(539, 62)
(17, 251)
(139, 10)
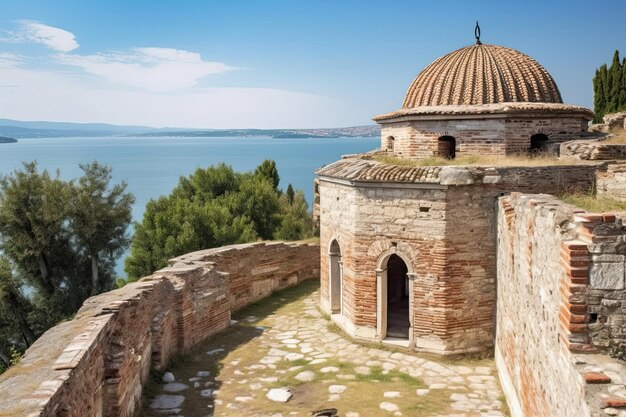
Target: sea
(152, 166)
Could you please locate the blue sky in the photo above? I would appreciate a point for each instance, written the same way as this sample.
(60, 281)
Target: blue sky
(219, 64)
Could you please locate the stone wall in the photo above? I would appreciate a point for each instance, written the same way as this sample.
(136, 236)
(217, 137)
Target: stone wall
(560, 292)
(97, 363)
(615, 120)
(478, 136)
(612, 181)
(593, 150)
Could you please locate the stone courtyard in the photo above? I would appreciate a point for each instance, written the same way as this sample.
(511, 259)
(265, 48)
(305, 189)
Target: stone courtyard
(283, 346)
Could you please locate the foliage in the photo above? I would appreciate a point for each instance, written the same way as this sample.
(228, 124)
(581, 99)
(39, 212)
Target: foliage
(609, 88)
(213, 207)
(59, 241)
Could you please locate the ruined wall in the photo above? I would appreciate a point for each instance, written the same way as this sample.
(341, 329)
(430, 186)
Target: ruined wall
(478, 136)
(611, 182)
(593, 150)
(560, 292)
(97, 363)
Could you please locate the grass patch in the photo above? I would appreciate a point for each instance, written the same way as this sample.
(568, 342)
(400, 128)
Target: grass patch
(283, 300)
(593, 203)
(522, 160)
(378, 374)
(618, 137)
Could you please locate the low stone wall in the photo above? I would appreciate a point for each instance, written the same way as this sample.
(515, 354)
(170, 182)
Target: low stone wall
(560, 292)
(615, 120)
(611, 182)
(593, 150)
(97, 363)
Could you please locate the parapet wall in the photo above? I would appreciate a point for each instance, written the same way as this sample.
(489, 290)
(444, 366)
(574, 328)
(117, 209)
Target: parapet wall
(97, 363)
(560, 295)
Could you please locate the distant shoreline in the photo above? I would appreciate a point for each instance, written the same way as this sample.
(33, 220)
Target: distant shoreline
(4, 139)
(32, 130)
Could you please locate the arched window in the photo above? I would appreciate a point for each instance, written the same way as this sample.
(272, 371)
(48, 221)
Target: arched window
(538, 143)
(446, 147)
(389, 143)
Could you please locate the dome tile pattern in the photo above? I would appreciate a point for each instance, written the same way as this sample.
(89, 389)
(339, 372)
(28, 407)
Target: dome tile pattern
(482, 74)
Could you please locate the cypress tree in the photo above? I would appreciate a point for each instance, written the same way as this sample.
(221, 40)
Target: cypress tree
(599, 98)
(614, 83)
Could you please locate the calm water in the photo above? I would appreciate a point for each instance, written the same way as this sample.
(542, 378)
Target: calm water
(152, 166)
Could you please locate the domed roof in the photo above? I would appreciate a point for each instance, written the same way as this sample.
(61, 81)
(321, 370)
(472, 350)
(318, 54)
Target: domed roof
(482, 74)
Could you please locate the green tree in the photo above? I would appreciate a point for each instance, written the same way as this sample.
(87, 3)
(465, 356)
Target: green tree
(614, 84)
(100, 215)
(600, 93)
(295, 221)
(33, 229)
(290, 194)
(213, 207)
(268, 170)
(16, 332)
(59, 240)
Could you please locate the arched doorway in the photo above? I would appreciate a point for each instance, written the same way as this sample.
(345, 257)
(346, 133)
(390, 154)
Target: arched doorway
(446, 147)
(335, 277)
(538, 143)
(394, 287)
(397, 298)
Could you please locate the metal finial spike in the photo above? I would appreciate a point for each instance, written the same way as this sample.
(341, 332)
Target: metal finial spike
(477, 34)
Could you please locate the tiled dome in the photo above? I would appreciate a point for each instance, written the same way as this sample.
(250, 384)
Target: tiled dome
(482, 74)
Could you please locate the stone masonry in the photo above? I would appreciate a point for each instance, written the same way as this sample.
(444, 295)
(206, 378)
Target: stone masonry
(560, 297)
(96, 364)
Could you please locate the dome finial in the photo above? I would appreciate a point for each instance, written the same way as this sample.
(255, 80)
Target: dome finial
(477, 34)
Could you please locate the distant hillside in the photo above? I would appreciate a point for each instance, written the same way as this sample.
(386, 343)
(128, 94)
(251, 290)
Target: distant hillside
(22, 129)
(4, 139)
(344, 132)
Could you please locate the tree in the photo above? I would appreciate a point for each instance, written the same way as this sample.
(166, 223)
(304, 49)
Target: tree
(609, 88)
(16, 332)
(99, 219)
(59, 240)
(213, 207)
(290, 194)
(33, 228)
(295, 221)
(268, 170)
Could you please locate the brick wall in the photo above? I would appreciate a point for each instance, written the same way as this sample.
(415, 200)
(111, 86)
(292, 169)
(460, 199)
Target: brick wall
(478, 136)
(97, 363)
(560, 297)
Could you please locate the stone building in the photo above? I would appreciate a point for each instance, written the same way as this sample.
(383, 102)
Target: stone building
(481, 99)
(409, 252)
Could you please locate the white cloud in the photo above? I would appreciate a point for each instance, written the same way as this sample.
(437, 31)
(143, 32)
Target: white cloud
(152, 69)
(28, 94)
(54, 38)
(10, 60)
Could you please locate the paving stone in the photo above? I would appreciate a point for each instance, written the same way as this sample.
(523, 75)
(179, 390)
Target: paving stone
(336, 389)
(168, 377)
(175, 387)
(166, 401)
(387, 406)
(305, 376)
(281, 395)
